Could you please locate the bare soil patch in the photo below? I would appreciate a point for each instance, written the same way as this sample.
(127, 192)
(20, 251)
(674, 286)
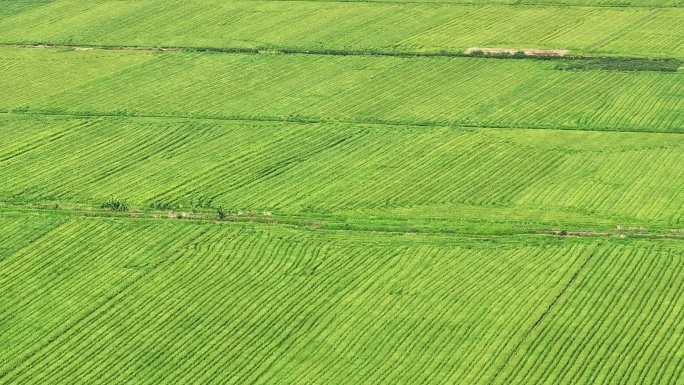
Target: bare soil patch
(513, 51)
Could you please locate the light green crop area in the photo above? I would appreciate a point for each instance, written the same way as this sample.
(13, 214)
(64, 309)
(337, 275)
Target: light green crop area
(459, 91)
(567, 3)
(575, 178)
(364, 26)
(332, 192)
(161, 302)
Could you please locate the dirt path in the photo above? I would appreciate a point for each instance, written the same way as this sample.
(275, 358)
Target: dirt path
(89, 48)
(513, 51)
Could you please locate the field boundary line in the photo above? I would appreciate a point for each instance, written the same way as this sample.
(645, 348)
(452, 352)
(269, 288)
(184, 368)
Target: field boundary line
(507, 5)
(460, 53)
(541, 318)
(334, 121)
(624, 30)
(336, 223)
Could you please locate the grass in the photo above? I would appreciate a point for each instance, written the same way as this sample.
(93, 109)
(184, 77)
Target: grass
(622, 64)
(553, 178)
(331, 192)
(151, 301)
(114, 204)
(312, 88)
(391, 26)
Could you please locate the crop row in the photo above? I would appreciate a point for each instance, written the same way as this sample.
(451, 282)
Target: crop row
(631, 304)
(67, 274)
(151, 302)
(461, 91)
(559, 3)
(344, 25)
(20, 230)
(574, 176)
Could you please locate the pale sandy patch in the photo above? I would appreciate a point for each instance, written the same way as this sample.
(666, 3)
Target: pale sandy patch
(512, 51)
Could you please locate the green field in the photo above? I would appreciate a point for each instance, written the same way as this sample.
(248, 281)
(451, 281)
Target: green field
(471, 92)
(649, 29)
(156, 301)
(581, 179)
(332, 192)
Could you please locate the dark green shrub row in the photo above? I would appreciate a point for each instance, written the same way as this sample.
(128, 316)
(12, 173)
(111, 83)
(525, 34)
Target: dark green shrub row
(620, 64)
(115, 204)
(579, 63)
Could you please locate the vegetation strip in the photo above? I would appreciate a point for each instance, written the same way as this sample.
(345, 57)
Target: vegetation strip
(388, 123)
(520, 4)
(330, 223)
(603, 62)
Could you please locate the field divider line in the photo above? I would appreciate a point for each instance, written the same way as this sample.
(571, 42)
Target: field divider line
(298, 220)
(507, 5)
(338, 121)
(464, 53)
(624, 30)
(541, 318)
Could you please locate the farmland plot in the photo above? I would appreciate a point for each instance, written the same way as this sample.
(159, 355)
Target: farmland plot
(600, 3)
(305, 192)
(580, 179)
(459, 91)
(650, 38)
(260, 304)
(629, 303)
(343, 26)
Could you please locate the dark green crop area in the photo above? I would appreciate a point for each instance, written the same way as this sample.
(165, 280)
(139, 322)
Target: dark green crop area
(12, 8)
(334, 192)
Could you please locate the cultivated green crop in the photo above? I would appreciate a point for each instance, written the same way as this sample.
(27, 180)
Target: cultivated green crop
(523, 93)
(323, 192)
(572, 178)
(157, 301)
(342, 26)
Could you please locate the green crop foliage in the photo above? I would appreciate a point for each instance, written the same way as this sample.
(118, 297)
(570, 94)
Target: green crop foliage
(333, 192)
(553, 176)
(364, 26)
(114, 204)
(418, 91)
(154, 301)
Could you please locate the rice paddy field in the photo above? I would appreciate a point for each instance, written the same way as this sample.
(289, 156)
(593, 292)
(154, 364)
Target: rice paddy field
(334, 192)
